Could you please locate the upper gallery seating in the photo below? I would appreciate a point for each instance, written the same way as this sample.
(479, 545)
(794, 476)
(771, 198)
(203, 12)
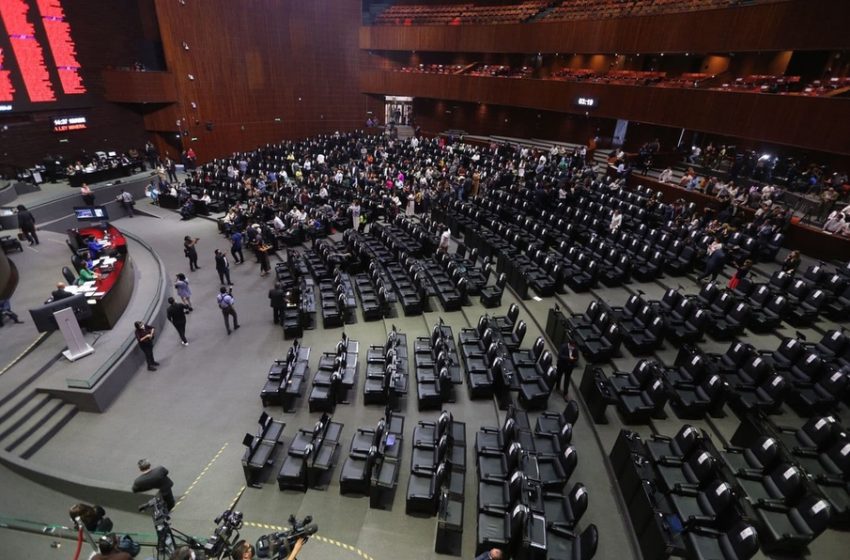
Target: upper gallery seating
(600, 9)
(500, 71)
(433, 69)
(470, 14)
(755, 83)
(458, 14)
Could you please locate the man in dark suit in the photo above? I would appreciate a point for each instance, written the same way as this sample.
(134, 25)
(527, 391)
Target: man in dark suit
(60, 292)
(176, 313)
(151, 479)
(567, 358)
(277, 303)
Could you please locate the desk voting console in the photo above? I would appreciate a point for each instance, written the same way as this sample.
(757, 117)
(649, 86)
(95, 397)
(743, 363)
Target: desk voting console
(109, 294)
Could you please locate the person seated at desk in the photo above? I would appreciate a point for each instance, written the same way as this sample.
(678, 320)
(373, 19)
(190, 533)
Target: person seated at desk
(60, 292)
(87, 273)
(94, 248)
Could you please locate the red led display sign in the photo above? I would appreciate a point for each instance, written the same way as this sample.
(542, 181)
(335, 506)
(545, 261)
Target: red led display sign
(7, 90)
(39, 64)
(62, 46)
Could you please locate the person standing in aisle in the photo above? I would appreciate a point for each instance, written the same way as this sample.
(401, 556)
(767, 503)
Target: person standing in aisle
(223, 268)
(191, 252)
(277, 303)
(176, 313)
(26, 222)
(144, 336)
(127, 201)
(236, 247)
(443, 247)
(567, 359)
(225, 303)
(87, 194)
(183, 290)
(263, 254)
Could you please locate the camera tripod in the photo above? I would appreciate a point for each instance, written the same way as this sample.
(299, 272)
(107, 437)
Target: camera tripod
(168, 539)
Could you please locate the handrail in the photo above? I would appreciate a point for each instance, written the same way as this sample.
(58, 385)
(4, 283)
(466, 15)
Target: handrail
(69, 533)
(100, 372)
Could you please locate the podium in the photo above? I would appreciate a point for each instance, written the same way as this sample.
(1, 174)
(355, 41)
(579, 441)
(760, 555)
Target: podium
(77, 345)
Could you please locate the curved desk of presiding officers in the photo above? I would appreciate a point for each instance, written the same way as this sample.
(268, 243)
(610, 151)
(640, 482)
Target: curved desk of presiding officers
(109, 292)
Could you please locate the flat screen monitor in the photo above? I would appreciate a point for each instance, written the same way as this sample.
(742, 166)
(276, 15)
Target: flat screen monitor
(43, 317)
(91, 213)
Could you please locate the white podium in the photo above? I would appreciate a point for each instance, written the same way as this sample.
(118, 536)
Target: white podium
(77, 345)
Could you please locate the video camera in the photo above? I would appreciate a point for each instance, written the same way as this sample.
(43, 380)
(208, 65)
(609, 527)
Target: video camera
(277, 546)
(226, 534)
(157, 508)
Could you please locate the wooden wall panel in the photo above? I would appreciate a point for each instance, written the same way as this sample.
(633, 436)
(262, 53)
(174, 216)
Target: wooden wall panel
(798, 24)
(29, 137)
(127, 86)
(437, 115)
(293, 61)
(814, 123)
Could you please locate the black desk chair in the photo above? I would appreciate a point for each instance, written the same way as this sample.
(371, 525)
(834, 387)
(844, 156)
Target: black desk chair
(70, 279)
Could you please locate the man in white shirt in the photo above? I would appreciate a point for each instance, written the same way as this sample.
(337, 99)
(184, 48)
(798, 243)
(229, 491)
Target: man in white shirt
(296, 214)
(278, 223)
(444, 241)
(354, 209)
(616, 221)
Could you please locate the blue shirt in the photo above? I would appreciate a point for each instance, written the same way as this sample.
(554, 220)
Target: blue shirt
(236, 238)
(94, 248)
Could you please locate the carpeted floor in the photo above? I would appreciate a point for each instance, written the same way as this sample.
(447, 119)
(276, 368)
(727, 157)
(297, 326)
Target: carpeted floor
(192, 413)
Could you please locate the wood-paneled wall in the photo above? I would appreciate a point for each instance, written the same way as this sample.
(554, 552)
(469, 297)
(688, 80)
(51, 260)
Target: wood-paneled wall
(814, 123)
(263, 70)
(105, 37)
(799, 24)
(436, 115)
(128, 86)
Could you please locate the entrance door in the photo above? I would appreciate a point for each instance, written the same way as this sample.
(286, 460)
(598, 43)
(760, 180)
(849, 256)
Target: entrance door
(398, 110)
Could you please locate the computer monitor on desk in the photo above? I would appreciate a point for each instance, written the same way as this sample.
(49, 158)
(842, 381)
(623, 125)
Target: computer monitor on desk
(91, 213)
(43, 317)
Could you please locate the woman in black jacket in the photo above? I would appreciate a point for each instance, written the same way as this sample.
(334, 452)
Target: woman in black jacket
(26, 221)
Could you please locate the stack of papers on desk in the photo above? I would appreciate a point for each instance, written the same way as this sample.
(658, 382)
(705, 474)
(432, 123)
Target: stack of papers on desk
(107, 261)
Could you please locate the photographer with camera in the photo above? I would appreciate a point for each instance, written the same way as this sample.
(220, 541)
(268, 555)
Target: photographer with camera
(285, 545)
(243, 551)
(221, 543)
(225, 303)
(109, 548)
(93, 518)
(155, 479)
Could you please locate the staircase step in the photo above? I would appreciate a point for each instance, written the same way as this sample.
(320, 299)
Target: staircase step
(21, 412)
(38, 423)
(59, 420)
